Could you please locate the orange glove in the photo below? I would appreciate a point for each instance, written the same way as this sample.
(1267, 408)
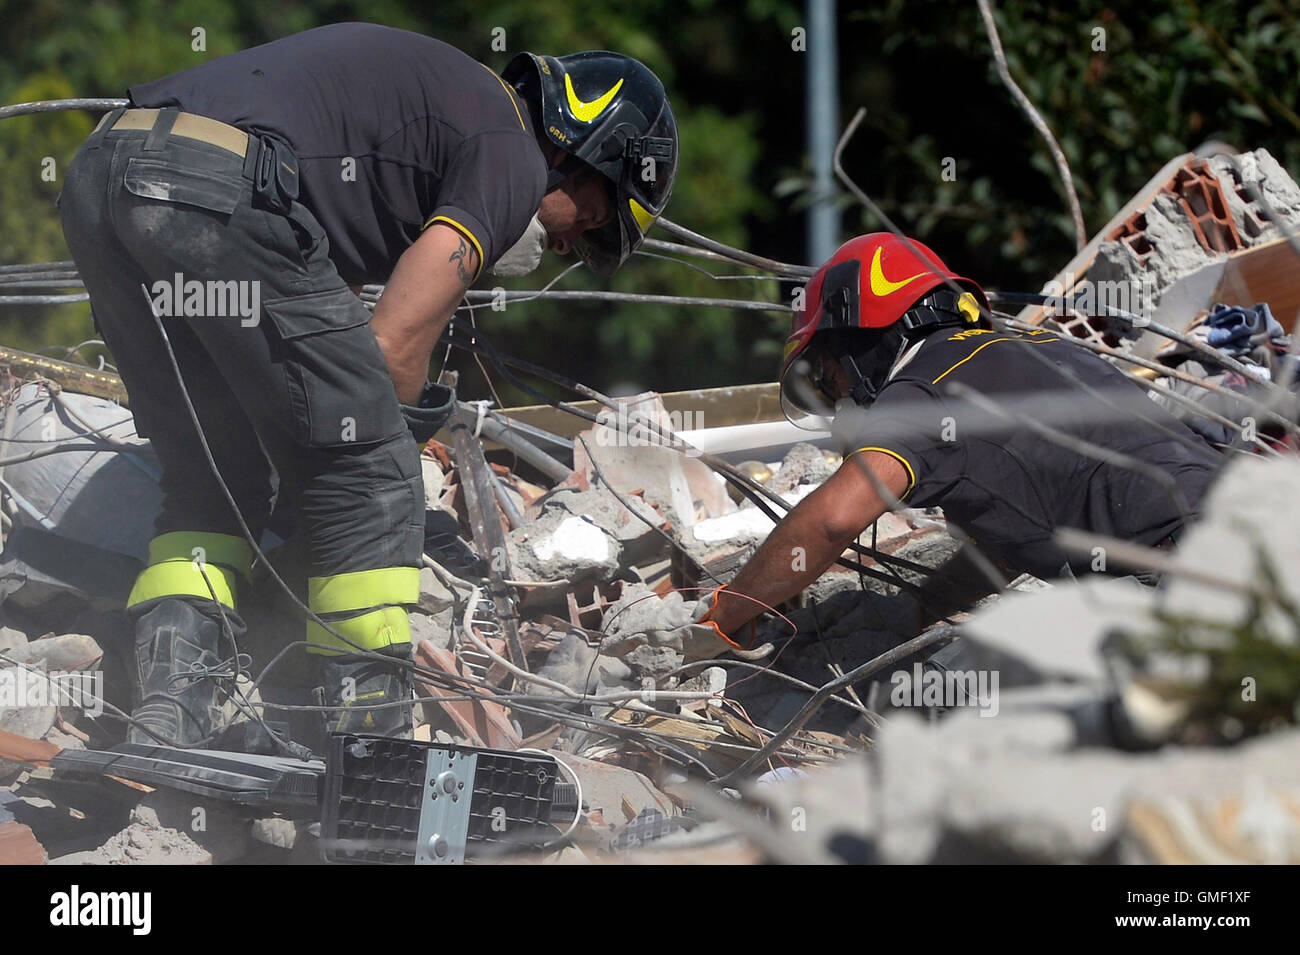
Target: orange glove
(711, 604)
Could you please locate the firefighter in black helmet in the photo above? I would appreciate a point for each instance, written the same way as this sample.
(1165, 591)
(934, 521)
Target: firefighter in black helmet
(283, 174)
(608, 113)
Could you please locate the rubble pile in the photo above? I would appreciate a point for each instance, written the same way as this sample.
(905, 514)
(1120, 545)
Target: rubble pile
(601, 568)
(1106, 693)
(1213, 232)
(1107, 741)
(1213, 206)
(1093, 720)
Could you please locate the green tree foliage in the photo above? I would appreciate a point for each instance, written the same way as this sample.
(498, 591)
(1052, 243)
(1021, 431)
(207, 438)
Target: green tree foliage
(36, 150)
(1125, 87)
(1172, 74)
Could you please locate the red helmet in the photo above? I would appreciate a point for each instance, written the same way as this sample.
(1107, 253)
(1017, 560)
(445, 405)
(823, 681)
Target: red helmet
(872, 282)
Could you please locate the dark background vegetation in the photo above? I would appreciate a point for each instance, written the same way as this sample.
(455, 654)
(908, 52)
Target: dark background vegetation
(1173, 74)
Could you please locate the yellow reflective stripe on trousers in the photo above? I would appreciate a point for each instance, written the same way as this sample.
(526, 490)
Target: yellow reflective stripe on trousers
(226, 549)
(381, 628)
(363, 589)
(182, 578)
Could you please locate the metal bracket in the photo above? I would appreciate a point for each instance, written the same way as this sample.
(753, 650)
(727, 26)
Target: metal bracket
(444, 810)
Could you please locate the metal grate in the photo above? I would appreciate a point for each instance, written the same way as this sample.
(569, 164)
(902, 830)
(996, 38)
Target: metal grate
(385, 801)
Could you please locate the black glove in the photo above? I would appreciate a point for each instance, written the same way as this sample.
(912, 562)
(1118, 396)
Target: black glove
(437, 404)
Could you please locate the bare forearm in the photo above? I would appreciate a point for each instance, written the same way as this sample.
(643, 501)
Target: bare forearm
(798, 551)
(407, 352)
(811, 537)
(418, 302)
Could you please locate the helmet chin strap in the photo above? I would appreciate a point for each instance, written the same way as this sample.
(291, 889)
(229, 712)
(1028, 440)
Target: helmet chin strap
(556, 175)
(868, 365)
(868, 368)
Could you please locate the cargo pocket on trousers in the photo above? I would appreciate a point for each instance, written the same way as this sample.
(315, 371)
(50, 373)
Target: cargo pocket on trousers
(172, 182)
(339, 387)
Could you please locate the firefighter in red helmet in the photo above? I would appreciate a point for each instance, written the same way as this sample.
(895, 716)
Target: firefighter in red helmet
(888, 343)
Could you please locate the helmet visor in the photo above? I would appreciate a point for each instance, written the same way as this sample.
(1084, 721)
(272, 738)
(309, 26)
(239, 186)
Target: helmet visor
(605, 248)
(641, 170)
(808, 390)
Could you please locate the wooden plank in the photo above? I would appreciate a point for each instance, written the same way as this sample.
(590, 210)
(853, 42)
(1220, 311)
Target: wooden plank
(1265, 273)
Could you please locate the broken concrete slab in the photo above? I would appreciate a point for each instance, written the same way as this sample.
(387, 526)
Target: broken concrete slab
(826, 805)
(560, 546)
(1007, 801)
(1060, 633)
(652, 663)
(1175, 252)
(435, 596)
(64, 740)
(631, 457)
(436, 628)
(64, 652)
(577, 665)
(636, 535)
(1250, 517)
(211, 826)
(11, 640)
(1216, 807)
(967, 790)
(1259, 171)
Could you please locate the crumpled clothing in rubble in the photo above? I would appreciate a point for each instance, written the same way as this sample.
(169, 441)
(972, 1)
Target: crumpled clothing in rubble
(1237, 332)
(1230, 328)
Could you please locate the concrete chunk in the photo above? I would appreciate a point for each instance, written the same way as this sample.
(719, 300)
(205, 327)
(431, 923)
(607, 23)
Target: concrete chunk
(560, 546)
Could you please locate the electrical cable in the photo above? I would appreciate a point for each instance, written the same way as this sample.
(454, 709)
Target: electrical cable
(1177, 374)
(751, 489)
(577, 815)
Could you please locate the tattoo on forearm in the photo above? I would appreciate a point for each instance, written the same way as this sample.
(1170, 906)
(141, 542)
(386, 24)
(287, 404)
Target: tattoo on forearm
(459, 258)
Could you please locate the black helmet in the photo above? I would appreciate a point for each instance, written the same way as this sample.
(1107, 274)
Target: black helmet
(610, 112)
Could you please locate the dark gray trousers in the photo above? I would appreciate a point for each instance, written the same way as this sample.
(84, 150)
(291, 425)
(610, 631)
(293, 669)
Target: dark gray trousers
(297, 383)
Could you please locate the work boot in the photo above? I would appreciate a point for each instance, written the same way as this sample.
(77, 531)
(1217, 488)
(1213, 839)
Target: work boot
(357, 684)
(170, 638)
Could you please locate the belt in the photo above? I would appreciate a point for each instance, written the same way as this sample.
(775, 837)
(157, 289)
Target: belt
(269, 163)
(189, 126)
